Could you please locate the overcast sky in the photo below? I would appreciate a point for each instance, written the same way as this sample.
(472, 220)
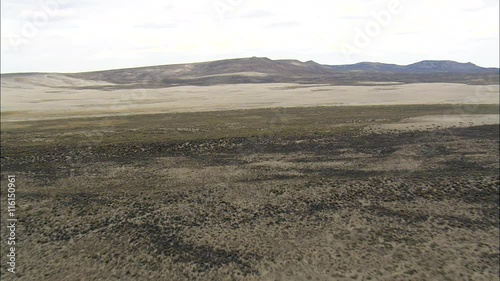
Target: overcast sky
(85, 35)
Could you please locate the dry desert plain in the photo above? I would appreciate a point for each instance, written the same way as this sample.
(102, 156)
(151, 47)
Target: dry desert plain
(388, 181)
(45, 96)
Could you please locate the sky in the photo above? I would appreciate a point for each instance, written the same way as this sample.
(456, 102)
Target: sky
(87, 35)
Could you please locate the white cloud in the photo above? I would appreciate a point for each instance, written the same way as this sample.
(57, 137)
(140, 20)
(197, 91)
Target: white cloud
(91, 34)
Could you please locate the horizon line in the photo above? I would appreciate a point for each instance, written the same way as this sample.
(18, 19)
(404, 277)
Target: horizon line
(239, 58)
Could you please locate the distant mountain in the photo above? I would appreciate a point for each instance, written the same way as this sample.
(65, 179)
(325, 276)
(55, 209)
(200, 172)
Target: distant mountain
(427, 66)
(368, 66)
(252, 69)
(264, 70)
(448, 66)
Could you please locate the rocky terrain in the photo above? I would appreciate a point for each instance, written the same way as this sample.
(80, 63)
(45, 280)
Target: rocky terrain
(321, 193)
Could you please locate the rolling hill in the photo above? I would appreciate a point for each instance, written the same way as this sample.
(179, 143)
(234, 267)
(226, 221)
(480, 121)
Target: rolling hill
(264, 70)
(423, 67)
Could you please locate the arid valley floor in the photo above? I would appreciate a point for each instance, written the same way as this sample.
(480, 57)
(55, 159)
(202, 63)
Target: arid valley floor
(386, 192)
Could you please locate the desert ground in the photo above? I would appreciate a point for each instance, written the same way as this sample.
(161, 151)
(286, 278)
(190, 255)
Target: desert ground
(44, 96)
(387, 181)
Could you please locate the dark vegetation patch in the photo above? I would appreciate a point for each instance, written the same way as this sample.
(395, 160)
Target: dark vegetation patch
(168, 241)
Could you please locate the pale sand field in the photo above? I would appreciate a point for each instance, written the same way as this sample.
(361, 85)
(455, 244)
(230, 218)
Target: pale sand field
(432, 122)
(52, 96)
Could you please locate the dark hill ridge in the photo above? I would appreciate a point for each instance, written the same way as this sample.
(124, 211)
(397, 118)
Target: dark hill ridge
(426, 66)
(265, 70)
(368, 67)
(447, 66)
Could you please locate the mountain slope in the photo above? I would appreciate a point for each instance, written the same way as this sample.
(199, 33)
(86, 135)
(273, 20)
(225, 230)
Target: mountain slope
(448, 66)
(427, 66)
(264, 70)
(368, 66)
(258, 69)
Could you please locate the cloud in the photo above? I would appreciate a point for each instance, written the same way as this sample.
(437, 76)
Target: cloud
(156, 25)
(282, 24)
(486, 39)
(255, 14)
(129, 32)
(354, 17)
(491, 3)
(482, 5)
(407, 33)
(59, 14)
